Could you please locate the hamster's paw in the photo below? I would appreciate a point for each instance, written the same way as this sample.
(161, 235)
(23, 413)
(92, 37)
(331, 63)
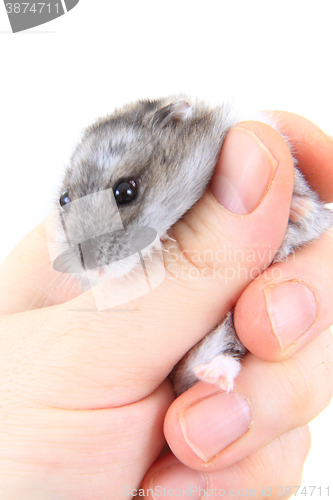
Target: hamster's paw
(301, 208)
(222, 371)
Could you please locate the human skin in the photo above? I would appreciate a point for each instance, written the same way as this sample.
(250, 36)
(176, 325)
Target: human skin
(86, 402)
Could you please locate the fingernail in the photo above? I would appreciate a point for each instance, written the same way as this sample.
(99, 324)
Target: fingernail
(214, 423)
(243, 173)
(178, 480)
(292, 309)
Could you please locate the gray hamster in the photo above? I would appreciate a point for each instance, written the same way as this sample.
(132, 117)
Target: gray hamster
(158, 157)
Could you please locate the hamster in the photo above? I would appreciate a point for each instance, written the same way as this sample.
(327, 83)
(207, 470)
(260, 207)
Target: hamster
(158, 157)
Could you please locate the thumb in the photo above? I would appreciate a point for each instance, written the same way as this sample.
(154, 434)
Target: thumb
(234, 231)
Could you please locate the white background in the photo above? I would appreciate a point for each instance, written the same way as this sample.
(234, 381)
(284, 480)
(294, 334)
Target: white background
(57, 78)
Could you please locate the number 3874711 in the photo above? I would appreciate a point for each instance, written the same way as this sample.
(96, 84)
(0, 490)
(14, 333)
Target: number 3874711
(28, 7)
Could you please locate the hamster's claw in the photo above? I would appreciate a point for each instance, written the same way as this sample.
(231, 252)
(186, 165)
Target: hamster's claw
(222, 371)
(166, 237)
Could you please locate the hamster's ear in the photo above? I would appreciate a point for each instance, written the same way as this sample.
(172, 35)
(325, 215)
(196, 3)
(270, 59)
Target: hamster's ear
(176, 111)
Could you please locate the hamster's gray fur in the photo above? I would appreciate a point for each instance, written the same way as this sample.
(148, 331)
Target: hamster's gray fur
(169, 147)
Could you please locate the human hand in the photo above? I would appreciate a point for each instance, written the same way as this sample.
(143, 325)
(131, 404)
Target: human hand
(84, 414)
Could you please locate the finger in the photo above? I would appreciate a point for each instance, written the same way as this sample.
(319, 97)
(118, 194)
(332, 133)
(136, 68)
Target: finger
(313, 150)
(210, 430)
(289, 304)
(274, 471)
(59, 449)
(28, 280)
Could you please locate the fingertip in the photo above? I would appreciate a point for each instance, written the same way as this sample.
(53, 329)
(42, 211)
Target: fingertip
(253, 326)
(313, 150)
(289, 304)
(244, 171)
(274, 319)
(174, 423)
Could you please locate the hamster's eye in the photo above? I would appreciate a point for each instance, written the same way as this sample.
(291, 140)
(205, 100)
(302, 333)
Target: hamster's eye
(64, 198)
(125, 191)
